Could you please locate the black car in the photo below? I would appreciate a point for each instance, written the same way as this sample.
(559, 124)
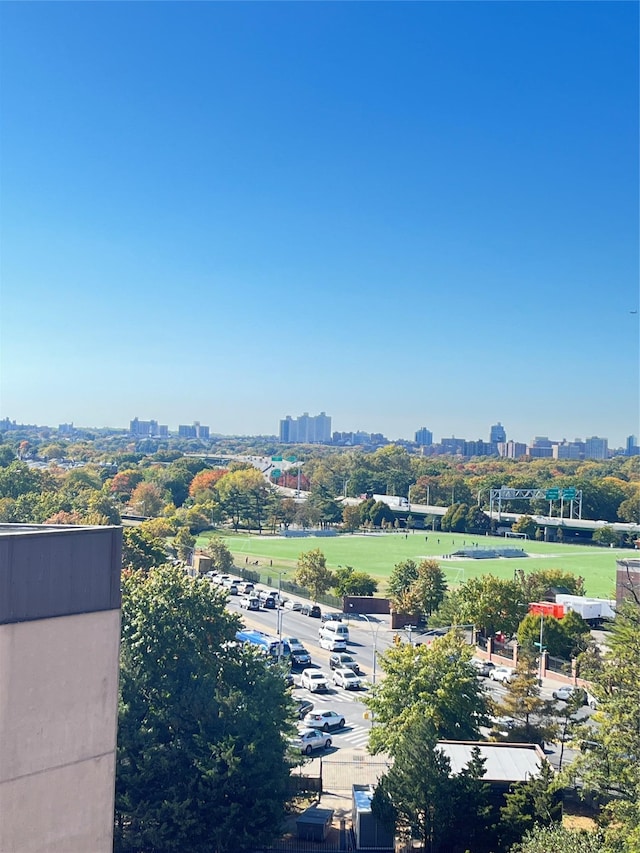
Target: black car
(311, 610)
(331, 617)
(304, 707)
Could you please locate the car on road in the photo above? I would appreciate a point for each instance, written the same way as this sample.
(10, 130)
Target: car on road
(266, 600)
(341, 660)
(290, 604)
(325, 720)
(311, 610)
(331, 617)
(483, 667)
(314, 680)
(304, 707)
(310, 739)
(250, 602)
(505, 674)
(567, 692)
(299, 655)
(332, 644)
(346, 678)
(246, 587)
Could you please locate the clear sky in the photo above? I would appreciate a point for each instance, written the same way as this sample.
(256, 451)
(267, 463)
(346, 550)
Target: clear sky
(402, 214)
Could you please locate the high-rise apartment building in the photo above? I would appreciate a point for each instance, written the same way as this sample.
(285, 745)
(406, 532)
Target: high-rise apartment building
(306, 429)
(147, 429)
(497, 433)
(424, 437)
(631, 447)
(512, 449)
(596, 448)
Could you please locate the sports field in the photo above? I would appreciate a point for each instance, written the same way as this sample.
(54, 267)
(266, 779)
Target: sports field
(377, 554)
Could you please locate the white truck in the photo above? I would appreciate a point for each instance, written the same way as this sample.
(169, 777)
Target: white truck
(394, 501)
(592, 610)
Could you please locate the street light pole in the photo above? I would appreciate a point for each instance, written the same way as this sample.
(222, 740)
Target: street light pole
(279, 617)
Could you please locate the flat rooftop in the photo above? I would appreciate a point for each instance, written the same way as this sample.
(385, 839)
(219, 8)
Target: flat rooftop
(505, 762)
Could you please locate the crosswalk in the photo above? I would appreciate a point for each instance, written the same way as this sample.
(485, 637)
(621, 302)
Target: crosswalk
(357, 736)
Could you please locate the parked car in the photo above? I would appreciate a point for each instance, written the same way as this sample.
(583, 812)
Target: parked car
(311, 610)
(314, 680)
(483, 667)
(333, 644)
(324, 720)
(346, 678)
(505, 674)
(310, 739)
(290, 604)
(246, 587)
(331, 617)
(564, 694)
(341, 660)
(250, 602)
(305, 706)
(592, 702)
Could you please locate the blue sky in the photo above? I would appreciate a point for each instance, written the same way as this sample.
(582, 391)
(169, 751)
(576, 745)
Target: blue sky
(402, 214)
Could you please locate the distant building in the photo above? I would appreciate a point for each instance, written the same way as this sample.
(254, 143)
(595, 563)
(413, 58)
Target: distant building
(512, 449)
(479, 448)
(424, 437)
(146, 429)
(66, 429)
(453, 446)
(59, 647)
(596, 448)
(568, 449)
(497, 433)
(541, 448)
(632, 448)
(306, 429)
(195, 430)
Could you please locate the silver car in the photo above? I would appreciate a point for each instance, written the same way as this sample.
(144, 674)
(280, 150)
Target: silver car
(346, 678)
(310, 739)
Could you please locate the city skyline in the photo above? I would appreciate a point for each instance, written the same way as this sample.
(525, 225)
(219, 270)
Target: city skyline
(204, 431)
(402, 214)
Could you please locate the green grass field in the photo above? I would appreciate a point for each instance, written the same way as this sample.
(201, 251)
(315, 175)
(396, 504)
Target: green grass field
(377, 554)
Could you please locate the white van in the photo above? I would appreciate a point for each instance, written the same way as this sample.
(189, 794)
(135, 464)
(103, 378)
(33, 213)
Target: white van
(334, 631)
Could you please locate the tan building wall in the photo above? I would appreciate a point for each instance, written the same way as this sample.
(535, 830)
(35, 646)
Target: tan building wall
(58, 723)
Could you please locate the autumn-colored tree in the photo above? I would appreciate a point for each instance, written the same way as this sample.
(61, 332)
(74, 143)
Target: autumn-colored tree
(205, 481)
(124, 482)
(147, 499)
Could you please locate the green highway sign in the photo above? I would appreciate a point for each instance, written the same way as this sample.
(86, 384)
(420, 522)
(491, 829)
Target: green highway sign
(568, 494)
(552, 494)
(276, 473)
(276, 458)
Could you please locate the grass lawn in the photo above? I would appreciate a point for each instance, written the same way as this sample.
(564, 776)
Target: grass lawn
(377, 554)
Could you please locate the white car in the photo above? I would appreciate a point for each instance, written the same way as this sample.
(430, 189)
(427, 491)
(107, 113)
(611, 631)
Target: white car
(251, 602)
(505, 674)
(332, 644)
(324, 720)
(290, 604)
(346, 678)
(314, 680)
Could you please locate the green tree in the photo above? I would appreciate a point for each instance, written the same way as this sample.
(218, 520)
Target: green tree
(606, 536)
(526, 524)
(491, 604)
(477, 521)
(381, 512)
(350, 582)
(556, 838)
(351, 518)
(537, 585)
(424, 799)
(312, 573)
(221, 557)
(533, 716)
(201, 759)
(140, 550)
(184, 543)
(535, 802)
(612, 768)
(455, 518)
(436, 683)
(403, 576)
(18, 479)
(430, 586)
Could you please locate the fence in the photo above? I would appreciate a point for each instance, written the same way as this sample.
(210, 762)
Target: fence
(559, 665)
